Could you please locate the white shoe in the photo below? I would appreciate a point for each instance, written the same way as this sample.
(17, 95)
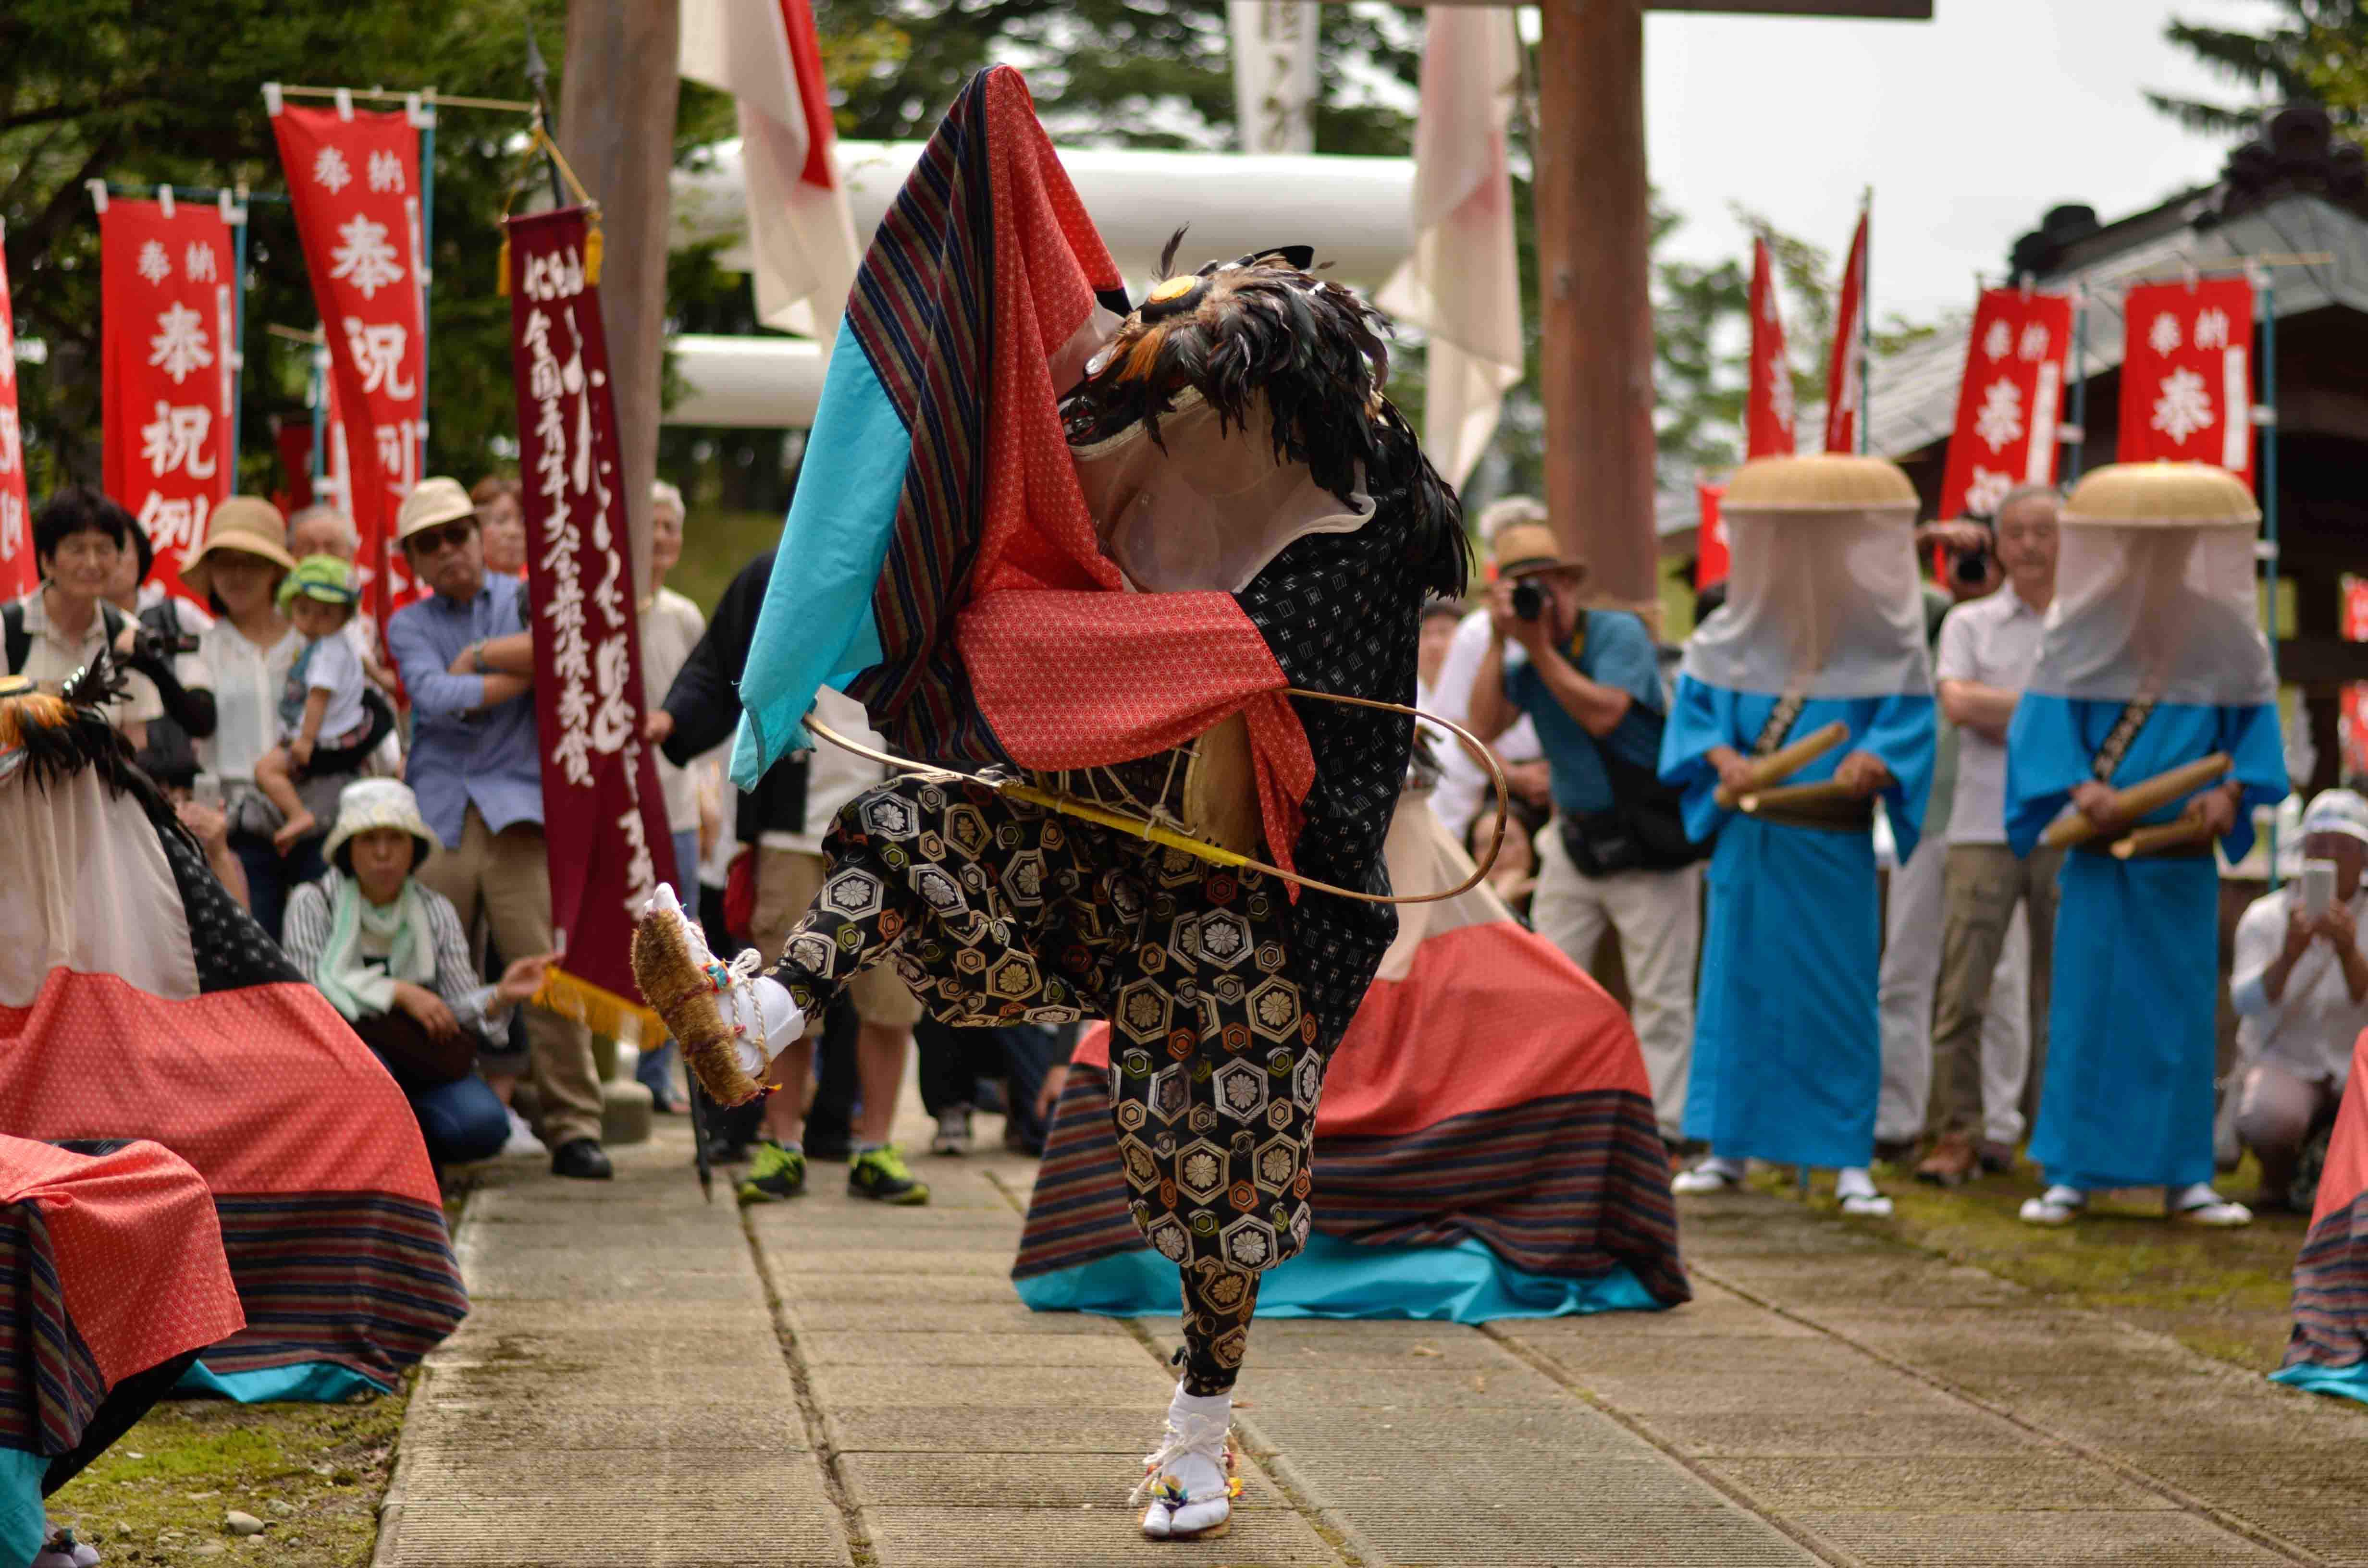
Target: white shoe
(2200, 1205)
(62, 1551)
(521, 1143)
(1190, 1481)
(2056, 1206)
(1856, 1189)
(953, 1136)
(1713, 1174)
(730, 1020)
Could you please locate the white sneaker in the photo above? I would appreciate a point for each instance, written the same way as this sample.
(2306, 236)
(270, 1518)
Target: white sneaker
(2056, 1206)
(1856, 1189)
(1190, 1481)
(1713, 1174)
(953, 1136)
(730, 1020)
(521, 1143)
(2200, 1205)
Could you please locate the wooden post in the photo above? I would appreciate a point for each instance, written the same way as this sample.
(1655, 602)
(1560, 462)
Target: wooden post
(616, 125)
(1595, 295)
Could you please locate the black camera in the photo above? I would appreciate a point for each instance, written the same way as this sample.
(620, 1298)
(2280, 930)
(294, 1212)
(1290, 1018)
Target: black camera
(150, 646)
(1972, 566)
(1529, 600)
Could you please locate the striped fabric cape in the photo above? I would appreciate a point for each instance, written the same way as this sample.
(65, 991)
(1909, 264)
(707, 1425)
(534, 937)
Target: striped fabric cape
(328, 1211)
(1486, 1145)
(942, 567)
(2328, 1352)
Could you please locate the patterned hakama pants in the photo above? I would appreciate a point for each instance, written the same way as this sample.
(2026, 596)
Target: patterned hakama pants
(996, 911)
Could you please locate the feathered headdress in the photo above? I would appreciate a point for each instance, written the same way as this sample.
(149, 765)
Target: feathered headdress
(1264, 328)
(45, 738)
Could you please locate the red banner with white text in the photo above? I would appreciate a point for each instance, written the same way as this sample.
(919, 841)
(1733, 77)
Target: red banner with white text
(2011, 401)
(18, 572)
(2353, 723)
(603, 819)
(353, 180)
(167, 314)
(1845, 381)
(1767, 404)
(2187, 374)
(1711, 558)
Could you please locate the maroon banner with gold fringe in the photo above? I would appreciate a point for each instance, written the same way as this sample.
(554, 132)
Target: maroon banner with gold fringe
(603, 817)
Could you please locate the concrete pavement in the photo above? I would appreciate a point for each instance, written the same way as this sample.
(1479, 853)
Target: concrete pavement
(646, 1380)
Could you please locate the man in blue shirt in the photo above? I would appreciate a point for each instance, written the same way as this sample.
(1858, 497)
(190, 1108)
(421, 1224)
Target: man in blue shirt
(1590, 682)
(467, 661)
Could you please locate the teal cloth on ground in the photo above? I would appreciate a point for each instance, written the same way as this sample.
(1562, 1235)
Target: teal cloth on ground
(2341, 1383)
(313, 1383)
(2127, 1095)
(816, 629)
(23, 1524)
(1335, 1278)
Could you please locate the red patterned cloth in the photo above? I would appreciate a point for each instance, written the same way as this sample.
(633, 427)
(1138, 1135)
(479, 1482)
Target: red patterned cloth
(116, 1267)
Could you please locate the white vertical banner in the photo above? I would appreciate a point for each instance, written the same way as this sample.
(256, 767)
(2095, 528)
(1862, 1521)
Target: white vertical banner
(1274, 73)
(2236, 408)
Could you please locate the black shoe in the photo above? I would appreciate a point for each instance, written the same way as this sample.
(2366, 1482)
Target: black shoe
(582, 1159)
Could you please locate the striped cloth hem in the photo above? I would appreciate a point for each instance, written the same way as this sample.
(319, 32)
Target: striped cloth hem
(2330, 1293)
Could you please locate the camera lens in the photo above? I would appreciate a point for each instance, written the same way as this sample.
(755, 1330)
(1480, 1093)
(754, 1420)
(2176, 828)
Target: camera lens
(1529, 600)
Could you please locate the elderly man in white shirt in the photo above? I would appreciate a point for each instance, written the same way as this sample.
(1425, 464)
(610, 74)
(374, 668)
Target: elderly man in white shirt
(2300, 988)
(1987, 648)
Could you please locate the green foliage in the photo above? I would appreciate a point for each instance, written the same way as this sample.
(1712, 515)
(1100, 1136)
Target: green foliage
(145, 93)
(2316, 51)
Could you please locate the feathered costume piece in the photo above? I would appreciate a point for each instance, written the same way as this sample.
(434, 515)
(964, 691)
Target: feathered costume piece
(138, 1000)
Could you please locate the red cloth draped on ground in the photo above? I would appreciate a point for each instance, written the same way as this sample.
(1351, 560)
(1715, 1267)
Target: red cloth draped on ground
(115, 1265)
(972, 329)
(329, 1209)
(1487, 1087)
(2330, 1297)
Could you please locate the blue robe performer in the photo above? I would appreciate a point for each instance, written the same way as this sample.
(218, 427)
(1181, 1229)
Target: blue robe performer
(2152, 660)
(1823, 626)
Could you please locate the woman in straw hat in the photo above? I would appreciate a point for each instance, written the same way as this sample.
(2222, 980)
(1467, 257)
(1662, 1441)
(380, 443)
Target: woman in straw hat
(248, 651)
(1824, 626)
(2152, 658)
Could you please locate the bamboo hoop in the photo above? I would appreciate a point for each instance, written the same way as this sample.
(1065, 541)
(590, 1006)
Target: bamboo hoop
(2161, 837)
(1171, 838)
(1783, 762)
(2075, 826)
(1825, 791)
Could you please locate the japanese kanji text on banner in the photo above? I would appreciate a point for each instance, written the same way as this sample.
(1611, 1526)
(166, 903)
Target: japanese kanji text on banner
(19, 571)
(169, 305)
(2011, 401)
(2187, 374)
(603, 818)
(353, 180)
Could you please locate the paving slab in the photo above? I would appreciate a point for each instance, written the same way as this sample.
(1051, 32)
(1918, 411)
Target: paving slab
(585, 1531)
(1042, 1481)
(1973, 1483)
(1084, 1538)
(1902, 1538)
(1113, 1348)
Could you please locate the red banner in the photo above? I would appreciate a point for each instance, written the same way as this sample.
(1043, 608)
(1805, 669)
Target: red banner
(1767, 407)
(603, 818)
(1844, 390)
(1711, 560)
(166, 354)
(353, 180)
(2187, 374)
(2352, 725)
(19, 571)
(2011, 401)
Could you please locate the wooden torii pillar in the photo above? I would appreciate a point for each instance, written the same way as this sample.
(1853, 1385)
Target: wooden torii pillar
(1595, 277)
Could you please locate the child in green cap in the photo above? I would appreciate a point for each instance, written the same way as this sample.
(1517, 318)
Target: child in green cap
(325, 729)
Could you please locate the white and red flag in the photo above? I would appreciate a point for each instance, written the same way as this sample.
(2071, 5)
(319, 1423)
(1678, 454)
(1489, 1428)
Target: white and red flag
(18, 572)
(1463, 284)
(2010, 400)
(353, 181)
(1767, 406)
(765, 53)
(2187, 374)
(1845, 382)
(167, 354)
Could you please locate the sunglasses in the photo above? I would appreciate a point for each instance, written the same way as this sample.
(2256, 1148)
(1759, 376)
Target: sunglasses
(435, 541)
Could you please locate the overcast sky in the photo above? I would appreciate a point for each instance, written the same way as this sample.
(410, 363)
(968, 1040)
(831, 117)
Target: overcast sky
(1968, 126)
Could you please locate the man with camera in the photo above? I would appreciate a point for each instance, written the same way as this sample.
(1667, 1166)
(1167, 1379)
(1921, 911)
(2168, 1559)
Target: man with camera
(1987, 648)
(1615, 852)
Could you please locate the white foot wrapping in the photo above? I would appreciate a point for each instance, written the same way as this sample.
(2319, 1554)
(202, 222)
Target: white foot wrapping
(1188, 1480)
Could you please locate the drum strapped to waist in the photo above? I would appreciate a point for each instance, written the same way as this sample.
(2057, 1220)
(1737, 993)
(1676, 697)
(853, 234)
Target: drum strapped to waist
(1207, 787)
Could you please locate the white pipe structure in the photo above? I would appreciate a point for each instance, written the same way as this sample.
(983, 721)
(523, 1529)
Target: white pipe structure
(1357, 212)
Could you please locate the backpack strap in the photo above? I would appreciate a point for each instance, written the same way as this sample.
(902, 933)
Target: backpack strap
(19, 636)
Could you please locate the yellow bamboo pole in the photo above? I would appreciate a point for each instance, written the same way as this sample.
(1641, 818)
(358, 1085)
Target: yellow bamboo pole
(2147, 794)
(1784, 761)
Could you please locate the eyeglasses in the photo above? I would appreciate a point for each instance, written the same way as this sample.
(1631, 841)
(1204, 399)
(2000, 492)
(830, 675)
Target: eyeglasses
(435, 541)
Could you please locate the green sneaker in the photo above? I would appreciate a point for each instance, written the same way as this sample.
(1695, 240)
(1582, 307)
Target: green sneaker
(880, 1174)
(775, 1174)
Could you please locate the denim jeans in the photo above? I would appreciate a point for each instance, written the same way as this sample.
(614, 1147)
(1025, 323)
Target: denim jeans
(271, 876)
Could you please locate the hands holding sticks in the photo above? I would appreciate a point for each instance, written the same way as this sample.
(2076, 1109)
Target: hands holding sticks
(2099, 808)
